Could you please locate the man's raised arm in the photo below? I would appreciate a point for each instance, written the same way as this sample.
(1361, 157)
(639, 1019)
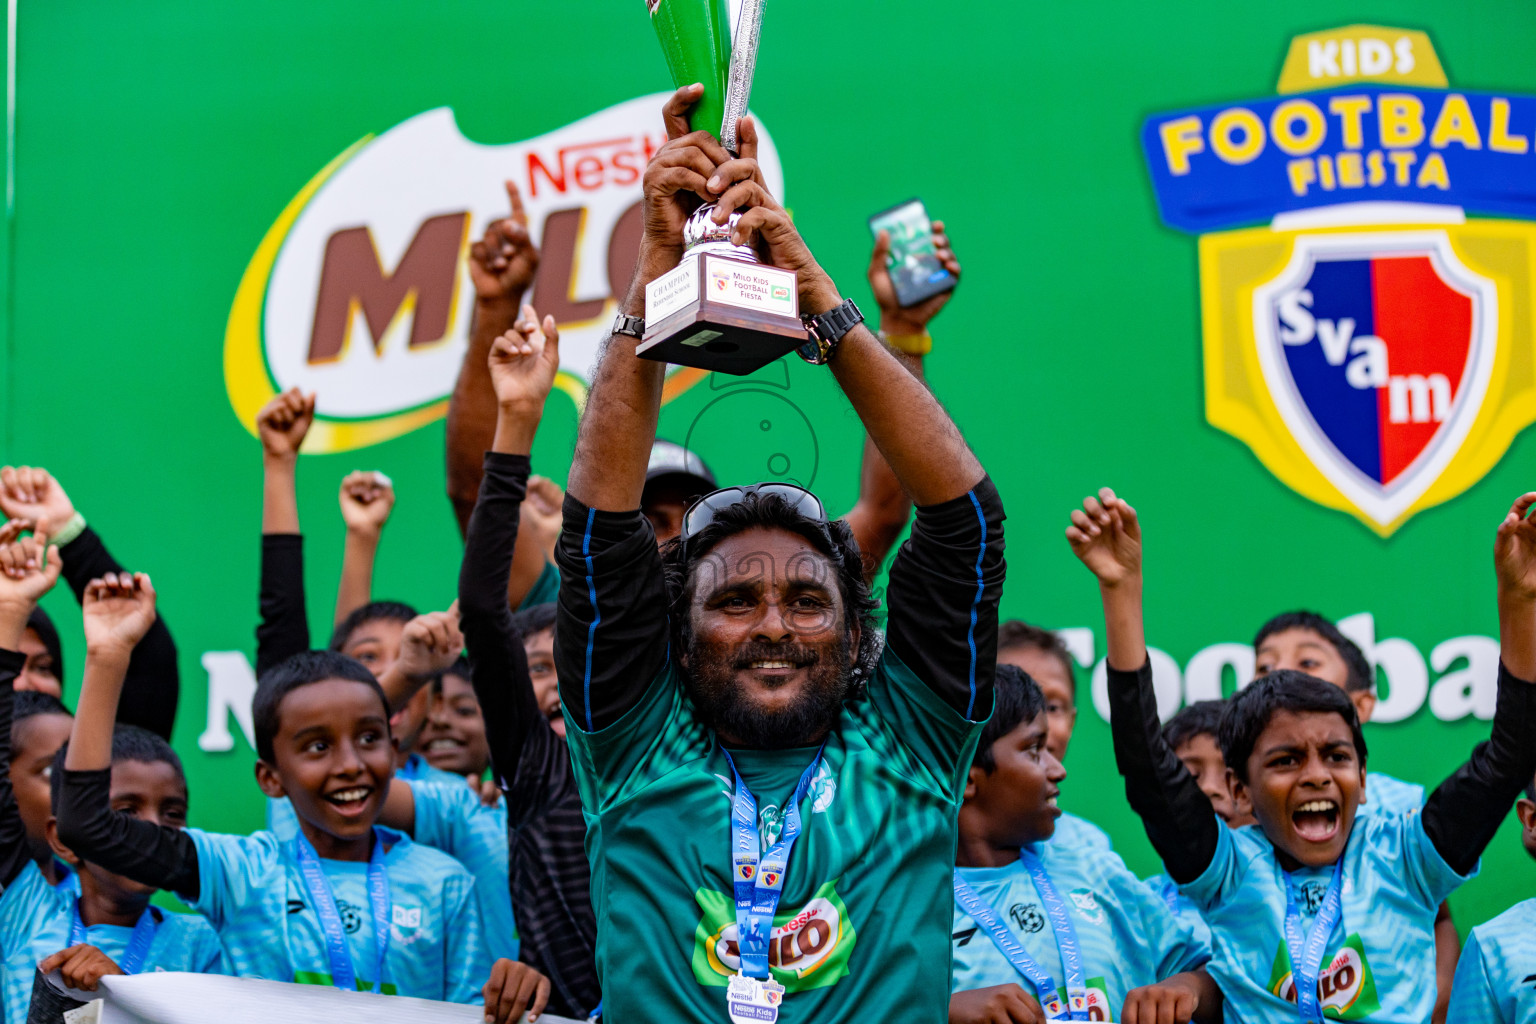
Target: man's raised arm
(611, 634)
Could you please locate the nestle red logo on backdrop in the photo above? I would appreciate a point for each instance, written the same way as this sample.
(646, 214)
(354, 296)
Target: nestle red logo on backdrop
(589, 166)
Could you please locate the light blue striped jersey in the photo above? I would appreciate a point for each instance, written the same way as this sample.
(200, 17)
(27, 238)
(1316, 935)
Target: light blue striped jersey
(34, 925)
(255, 897)
(283, 823)
(1127, 935)
(1074, 831)
(1496, 978)
(451, 818)
(1386, 795)
(1380, 959)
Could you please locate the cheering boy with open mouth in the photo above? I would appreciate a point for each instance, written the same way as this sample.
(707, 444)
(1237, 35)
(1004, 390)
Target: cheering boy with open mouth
(1315, 908)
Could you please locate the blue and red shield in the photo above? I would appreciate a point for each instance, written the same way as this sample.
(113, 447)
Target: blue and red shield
(1376, 349)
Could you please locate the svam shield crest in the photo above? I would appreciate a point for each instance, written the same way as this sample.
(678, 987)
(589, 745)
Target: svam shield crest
(1377, 349)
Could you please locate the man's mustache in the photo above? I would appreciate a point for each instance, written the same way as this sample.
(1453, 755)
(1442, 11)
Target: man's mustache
(798, 655)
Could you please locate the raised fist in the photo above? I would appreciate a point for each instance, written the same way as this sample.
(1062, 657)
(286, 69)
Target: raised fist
(503, 262)
(367, 496)
(29, 492)
(118, 610)
(1106, 535)
(282, 423)
(1514, 551)
(430, 644)
(29, 567)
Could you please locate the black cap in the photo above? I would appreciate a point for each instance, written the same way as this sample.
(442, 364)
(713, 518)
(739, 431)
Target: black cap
(679, 467)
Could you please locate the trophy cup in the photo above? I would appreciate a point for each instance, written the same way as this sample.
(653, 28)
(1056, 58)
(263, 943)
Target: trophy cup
(720, 308)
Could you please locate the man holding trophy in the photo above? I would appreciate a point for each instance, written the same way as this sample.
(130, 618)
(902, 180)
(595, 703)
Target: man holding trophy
(770, 791)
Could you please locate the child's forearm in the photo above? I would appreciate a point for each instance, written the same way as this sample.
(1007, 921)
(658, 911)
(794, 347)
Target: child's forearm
(1125, 635)
(1206, 992)
(90, 739)
(1517, 636)
(356, 588)
(279, 495)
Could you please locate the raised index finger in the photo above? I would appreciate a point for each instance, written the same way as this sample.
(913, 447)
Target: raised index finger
(515, 198)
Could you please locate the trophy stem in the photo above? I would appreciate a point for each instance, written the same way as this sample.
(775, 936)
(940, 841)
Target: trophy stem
(738, 86)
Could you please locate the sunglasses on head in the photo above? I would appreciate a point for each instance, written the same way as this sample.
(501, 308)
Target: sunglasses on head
(704, 510)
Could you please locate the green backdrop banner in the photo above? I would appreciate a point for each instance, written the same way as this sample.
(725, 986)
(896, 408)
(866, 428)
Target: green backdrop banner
(208, 203)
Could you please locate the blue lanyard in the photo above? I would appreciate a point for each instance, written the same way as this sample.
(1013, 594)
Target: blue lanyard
(1076, 1007)
(132, 960)
(1307, 953)
(758, 883)
(343, 974)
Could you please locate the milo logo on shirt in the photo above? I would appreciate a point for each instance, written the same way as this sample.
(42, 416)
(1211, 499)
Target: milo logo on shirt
(1345, 987)
(808, 948)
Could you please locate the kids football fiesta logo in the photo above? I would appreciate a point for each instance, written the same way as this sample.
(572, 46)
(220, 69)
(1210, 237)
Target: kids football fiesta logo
(360, 290)
(1370, 342)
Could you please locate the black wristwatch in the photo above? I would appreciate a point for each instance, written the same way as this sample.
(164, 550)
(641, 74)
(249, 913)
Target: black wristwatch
(634, 326)
(827, 330)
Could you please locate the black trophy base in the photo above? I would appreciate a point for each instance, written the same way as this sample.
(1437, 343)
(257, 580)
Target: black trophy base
(722, 314)
(733, 348)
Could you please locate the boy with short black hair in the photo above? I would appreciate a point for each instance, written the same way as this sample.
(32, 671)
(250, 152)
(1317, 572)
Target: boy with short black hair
(1043, 655)
(1316, 907)
(41, 916)
(1013, 928)
(1494, 980)
(40, 725)
(322, 733)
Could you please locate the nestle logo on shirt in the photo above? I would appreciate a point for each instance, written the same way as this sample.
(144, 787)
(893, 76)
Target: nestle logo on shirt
(407, 917)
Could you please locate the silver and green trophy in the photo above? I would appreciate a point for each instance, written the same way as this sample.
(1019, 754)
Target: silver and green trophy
(721, 308)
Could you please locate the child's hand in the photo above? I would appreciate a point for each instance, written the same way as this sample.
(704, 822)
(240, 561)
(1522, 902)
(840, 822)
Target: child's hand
(1163, 1003)
(80, 966)
(543, 513)
(29, 492)
(1107, 537)
(25, 574)
(502, 264)
(282, 423)
(513, 989)
(524, 361)
(894, 319)
(430, 644)
(118, 610)
(1514, 551)
(485, 790)
(1000, 1004)
(366, 501)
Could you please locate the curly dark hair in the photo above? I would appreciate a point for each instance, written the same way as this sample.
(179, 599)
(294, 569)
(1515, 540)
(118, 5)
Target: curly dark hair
(757, 509)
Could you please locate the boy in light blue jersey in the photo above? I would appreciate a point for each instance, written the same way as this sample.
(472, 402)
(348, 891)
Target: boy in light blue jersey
(1313, 910)
(1023, 919)
(1042, 655)
(346, 903)
(1496, 979)
(1307, 642)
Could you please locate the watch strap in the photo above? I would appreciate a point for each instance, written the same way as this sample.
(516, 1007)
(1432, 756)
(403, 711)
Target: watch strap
(827, 329)
(633, 326)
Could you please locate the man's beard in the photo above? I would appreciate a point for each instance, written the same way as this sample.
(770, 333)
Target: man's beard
(726, 708)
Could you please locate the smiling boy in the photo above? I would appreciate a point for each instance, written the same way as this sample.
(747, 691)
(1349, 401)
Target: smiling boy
(1316, 907)
(322, 735)
(1014, 928)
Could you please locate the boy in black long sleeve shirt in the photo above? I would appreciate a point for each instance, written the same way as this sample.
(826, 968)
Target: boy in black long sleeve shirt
(1313, 905)
(549, 875)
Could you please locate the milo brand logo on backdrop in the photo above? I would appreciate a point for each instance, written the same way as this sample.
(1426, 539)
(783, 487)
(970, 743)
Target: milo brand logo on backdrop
(1367, 255)
(360, 289)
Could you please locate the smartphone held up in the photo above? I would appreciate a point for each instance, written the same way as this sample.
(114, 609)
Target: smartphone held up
(915, 269)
